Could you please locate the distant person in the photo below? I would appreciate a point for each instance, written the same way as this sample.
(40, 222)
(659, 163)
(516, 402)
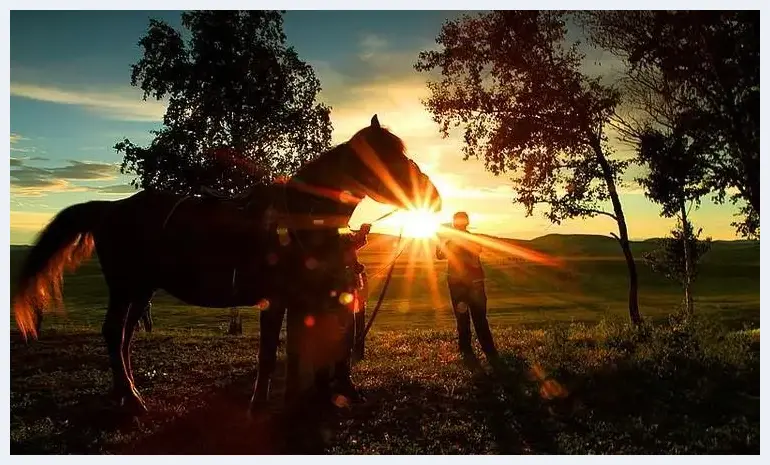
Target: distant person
(465, 277)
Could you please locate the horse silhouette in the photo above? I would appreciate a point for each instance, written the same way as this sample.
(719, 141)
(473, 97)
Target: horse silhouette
(277, 247)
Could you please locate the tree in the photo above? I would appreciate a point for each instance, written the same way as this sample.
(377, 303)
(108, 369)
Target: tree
(671, 257)
(675, 178)
(705, 63)
(511, 81)
(242, 105)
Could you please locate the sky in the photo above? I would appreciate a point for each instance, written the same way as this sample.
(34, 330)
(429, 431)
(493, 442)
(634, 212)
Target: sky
(71, 101)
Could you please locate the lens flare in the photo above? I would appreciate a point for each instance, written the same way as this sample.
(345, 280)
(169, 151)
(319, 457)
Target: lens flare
(418, 223)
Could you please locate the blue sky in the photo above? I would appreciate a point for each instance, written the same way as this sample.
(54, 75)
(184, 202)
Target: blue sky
(71, 100)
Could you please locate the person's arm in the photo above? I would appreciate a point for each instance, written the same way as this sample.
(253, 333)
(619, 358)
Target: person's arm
(360, 239)
(440, 253)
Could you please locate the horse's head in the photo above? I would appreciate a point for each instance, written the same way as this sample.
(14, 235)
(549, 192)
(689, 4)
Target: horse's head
(372, 163)
(384, 172)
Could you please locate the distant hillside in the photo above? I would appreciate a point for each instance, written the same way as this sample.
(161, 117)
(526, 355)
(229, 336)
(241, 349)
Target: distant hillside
(565, 245)
(588, 245)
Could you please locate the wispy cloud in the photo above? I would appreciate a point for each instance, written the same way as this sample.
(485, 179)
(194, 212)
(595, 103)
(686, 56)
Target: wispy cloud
(17, 140)
(371, 44)
(116, 189)
(32, 181)
(119, 104)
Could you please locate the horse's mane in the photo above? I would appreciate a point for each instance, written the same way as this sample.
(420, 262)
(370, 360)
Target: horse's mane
(379, 138)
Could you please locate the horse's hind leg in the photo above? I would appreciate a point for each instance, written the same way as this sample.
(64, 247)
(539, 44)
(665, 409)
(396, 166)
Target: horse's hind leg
(113, 331)
(138, 310)
(270, 322)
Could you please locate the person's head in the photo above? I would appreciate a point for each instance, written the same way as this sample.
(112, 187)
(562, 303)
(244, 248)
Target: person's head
(460, 221)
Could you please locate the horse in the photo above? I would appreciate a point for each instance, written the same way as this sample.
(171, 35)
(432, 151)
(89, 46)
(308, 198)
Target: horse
(219, 254)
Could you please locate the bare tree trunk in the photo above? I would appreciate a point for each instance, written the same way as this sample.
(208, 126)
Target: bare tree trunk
(625, 244)
(687, 261)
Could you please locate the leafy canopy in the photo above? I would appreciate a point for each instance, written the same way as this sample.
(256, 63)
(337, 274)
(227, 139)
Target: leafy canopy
(241, 104)
(515, 85)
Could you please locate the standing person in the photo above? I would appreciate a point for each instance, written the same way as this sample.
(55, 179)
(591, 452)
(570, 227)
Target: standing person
(352, 314)
(465, 277)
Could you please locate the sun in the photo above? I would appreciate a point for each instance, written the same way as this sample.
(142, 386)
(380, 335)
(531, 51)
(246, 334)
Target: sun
(418, 223)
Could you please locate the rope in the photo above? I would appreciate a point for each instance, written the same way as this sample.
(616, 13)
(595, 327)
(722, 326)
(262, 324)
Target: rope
(384, 289)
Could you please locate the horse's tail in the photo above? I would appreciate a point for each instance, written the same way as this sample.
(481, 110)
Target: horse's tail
(63, 244)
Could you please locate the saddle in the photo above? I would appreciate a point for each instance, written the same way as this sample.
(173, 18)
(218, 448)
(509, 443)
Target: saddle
(241, 201)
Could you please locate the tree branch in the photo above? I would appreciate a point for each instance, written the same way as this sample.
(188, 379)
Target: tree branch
(599, 212)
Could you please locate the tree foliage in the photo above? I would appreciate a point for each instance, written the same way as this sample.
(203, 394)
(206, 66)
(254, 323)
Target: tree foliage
(676, 168)
(515, 86)
(241, 104)
(668, 258)
(704, 64)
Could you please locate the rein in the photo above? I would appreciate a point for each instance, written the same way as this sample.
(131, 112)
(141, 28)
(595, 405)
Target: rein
(384, 287)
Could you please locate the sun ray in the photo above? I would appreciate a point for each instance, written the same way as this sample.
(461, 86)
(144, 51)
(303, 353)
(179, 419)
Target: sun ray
(410, 269)
(432, 277)
(505, 247)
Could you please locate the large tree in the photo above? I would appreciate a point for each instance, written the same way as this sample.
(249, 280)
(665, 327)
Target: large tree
(705, 63)
(676, 168)
(511, 81)
(242, 106)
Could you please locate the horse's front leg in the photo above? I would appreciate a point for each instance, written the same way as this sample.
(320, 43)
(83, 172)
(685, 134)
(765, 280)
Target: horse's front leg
(270, 322)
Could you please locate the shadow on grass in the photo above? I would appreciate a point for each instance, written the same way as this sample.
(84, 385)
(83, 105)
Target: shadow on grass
(59, 402)
(586, 398)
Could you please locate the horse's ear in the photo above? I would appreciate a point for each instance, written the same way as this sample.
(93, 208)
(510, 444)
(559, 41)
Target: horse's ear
(375, 122)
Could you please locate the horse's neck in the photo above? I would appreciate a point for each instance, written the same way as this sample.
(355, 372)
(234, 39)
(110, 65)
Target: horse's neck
(323, 188)
(333, 170)
(318, 201)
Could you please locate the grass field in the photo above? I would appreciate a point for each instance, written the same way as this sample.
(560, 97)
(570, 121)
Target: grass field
(576, 379)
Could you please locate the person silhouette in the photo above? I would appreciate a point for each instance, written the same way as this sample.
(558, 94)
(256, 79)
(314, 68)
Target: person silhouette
(465, 278)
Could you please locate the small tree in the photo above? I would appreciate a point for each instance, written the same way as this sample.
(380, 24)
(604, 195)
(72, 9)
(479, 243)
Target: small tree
(675, 261)
(675, 179)
(516, 87)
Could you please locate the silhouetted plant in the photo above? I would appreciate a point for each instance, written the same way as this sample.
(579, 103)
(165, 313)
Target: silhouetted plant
(705, 64)
(675, 179)
(675, 262)
(517, 89)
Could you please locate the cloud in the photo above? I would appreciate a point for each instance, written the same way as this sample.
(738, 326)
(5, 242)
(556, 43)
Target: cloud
(18, 138)
(31, 181)
(371, 44)
(117, 189)
(121, 104)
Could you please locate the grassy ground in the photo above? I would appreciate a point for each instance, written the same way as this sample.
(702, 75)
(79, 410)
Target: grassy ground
(575, 379)
(574, 389)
